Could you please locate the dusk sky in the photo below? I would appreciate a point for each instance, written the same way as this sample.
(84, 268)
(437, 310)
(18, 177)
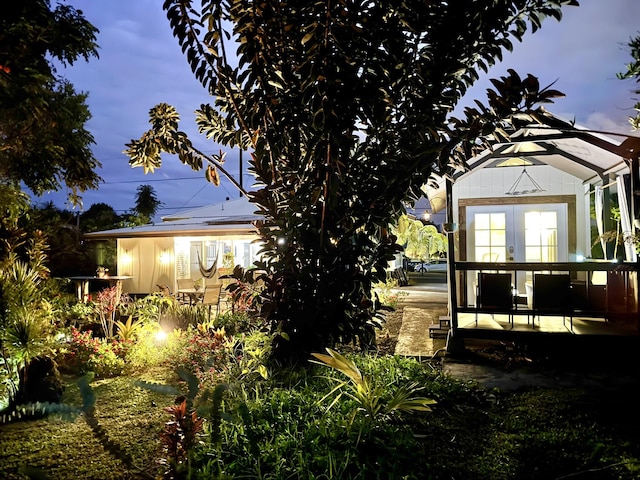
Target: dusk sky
(141, 65)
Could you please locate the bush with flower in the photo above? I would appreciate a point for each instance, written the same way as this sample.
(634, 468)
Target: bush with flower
(82, 353)
(204, 352)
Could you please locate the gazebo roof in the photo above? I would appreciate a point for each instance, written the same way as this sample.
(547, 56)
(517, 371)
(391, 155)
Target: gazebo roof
(585, 154)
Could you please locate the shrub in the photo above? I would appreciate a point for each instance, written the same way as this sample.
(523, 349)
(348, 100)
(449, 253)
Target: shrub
(148, 349)
(205, 354)
(282, 426)
(387, 296)
(107, 307)
(81, 313)
(84, 353)
(235, 323)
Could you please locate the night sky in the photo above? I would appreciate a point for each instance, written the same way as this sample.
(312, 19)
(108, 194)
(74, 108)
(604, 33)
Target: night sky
(141, 65)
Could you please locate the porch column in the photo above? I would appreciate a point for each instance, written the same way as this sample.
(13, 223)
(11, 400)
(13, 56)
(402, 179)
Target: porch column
(454, 344)
(606, 217)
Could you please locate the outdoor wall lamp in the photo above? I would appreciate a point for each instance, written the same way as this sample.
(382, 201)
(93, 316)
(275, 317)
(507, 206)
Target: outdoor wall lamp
(125, 258)
(165, 258)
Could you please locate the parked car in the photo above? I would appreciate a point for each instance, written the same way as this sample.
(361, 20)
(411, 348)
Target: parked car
(437, 265)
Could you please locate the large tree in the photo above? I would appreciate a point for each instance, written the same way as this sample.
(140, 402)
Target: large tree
(344, 104)
(43, 142)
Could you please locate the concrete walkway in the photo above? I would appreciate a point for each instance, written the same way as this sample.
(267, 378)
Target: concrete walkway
(424, 302)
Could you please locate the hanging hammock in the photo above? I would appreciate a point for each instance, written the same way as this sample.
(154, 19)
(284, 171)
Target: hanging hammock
(208, 272)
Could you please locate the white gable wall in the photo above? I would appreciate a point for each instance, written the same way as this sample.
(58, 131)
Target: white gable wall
(494, 182)
(141, 258)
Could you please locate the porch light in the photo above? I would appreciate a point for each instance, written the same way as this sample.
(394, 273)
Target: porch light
(160, 337)
(125, 259)
(165, 258)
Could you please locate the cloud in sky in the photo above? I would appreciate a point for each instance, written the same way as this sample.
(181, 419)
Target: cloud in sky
(141, 65)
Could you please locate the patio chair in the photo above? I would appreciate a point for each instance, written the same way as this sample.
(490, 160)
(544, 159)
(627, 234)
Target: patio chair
(211, 297)
(552, 296)
(183, 284)
(495, 294)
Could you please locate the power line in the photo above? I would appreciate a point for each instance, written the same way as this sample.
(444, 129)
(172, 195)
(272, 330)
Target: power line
(153, 180)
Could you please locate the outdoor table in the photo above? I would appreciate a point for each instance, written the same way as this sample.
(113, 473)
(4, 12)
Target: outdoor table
(194, 295)
(82, 283)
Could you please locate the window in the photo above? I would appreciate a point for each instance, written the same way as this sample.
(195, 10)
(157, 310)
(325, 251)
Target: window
(541, 236)
(490, 230)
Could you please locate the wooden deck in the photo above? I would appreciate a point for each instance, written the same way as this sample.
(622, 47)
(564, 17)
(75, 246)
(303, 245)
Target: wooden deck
(545, 324)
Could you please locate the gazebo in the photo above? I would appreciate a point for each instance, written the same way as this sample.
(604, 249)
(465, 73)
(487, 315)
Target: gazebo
(522, 259)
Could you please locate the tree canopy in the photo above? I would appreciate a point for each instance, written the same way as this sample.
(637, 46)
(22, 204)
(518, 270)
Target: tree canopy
(420, 241)
(344, 105)
(147, 203)
(633, 71)
(43, 142)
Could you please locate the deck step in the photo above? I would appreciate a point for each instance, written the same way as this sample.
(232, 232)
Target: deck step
(445, 322)
(436, 332)
(440, 329)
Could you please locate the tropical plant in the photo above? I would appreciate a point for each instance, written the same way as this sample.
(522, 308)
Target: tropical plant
(25, 324)
(388, 293)
(128, 330)
(83, 353)
(245, 290)
(204, 354)
(420, 241)
(147, 204)
(178, 438)
(237, 322)
(151, 307)
(372, 398)
(345, 109)
(80, 313)
(106, 304)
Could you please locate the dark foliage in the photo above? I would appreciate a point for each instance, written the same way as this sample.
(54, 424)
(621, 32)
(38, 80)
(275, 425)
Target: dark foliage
(44, 143)
(345, 107)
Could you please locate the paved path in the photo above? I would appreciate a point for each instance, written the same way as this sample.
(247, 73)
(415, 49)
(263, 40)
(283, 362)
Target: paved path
(424, 301)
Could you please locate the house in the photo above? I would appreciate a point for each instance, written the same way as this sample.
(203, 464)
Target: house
(183, 244)
(522, 209)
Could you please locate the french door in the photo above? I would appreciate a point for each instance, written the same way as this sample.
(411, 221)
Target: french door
(518, 233)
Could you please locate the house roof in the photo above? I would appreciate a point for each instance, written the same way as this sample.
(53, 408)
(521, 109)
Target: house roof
(230, 217)
(590, 156)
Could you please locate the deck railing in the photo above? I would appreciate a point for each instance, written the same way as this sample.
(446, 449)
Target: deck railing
(599, 288)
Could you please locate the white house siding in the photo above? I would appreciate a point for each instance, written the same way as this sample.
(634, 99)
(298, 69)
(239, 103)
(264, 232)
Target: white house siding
(140, 258)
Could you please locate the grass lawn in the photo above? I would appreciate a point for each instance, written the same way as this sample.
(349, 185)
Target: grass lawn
(472, 433)
(120, 441)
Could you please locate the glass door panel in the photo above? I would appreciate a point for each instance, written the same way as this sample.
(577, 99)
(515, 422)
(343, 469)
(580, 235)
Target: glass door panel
(519, 232)
(489, 231)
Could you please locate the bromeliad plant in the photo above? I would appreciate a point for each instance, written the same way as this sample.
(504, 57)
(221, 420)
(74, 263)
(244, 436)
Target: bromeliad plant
(373, 399)
(107, 307)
